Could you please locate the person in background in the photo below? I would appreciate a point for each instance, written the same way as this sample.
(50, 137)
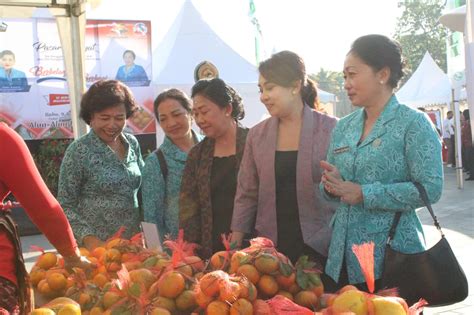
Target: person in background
(210, 175)
(280, 173)
(448, 134)
(130, 71)
(164, 167)
(8, 75)
(466, 145)
(101, 171)
(19, 175)
(375, 156)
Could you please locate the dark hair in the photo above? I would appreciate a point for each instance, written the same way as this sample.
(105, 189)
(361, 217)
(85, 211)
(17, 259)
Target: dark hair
(221, 94)
(130, 52)
(7, 52)
(286, 67)
(174, 94)
(378, 51)
(105, 94)
(466, 115)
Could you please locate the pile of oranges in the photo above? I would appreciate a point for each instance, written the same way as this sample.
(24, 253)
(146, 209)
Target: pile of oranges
(272, 273)
(130, 279)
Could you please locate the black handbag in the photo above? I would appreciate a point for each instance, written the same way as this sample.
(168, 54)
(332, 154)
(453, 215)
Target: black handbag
(434, 275)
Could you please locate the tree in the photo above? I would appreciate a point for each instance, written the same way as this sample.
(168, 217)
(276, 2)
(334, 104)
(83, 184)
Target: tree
(418, 30)
(333, 82)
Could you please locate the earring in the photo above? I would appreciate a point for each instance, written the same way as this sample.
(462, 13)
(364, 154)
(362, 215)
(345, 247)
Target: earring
(293, 92)
(381, 82)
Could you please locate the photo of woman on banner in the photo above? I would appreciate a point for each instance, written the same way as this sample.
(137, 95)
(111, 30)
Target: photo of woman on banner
(10, 77)
(131, 73)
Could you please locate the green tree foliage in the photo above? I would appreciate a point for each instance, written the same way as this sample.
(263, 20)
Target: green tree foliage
(418, 30)
(333, 82)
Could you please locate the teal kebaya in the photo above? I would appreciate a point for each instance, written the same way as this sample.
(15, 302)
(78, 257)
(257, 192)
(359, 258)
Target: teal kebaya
(160, 197)
(97, 190)
(403, 147)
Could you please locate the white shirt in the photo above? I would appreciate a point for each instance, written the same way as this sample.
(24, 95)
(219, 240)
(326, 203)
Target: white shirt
(448, 128)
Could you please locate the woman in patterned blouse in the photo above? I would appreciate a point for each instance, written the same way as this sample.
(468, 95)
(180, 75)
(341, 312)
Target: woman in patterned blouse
(210, 175)
(101, 171)
(375, 156)
(173, 111)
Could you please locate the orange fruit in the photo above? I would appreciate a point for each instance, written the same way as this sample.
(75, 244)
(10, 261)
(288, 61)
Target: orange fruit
(217, 308)
(142, 276)
(162, 263)
(248, 290)
(347, 287)
(286, 282)
(241, 307)
(195, 262)
(113, 255)
(159, 311)
(42, 311)
(267, 285)
(109, 299)
(96, 310)
(250, 272)
(220, 260)
(318, 290)
(307, 299)
(47, 260)
(166, 303)
(84, 299)
(100, 280)
(286, 294)
(44, 288)
(202, 299)
(186, 301)
(98, 252)
(185, 269)
(260, 307)
(267, 263)
(70, 309)
(113, 266)
(56, 281)
(209, 283)
(37, 275)
(294, 288)
(238, 259)
(171, 285)
(229, 291)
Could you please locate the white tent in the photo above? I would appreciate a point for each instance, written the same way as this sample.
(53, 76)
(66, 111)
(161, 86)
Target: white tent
(189, 41)
(428, 85)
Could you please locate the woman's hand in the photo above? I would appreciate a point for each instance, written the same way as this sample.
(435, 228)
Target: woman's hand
(78, 261)
(334, 184)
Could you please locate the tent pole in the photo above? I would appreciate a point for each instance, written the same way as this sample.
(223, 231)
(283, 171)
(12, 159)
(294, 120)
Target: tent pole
(457, 141)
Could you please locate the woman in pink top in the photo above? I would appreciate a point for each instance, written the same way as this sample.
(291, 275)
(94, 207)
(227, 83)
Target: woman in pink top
(19, 175)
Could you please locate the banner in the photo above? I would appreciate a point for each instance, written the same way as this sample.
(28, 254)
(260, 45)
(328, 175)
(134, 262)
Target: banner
(34, 98)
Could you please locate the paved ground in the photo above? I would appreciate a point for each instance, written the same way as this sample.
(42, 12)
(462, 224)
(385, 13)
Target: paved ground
(455, 212)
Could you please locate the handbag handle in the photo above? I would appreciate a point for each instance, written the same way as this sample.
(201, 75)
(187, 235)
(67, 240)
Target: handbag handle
(424, 197)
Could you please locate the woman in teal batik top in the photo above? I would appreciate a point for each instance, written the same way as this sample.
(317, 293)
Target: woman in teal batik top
(375, 155)
(173, 111)
(101, 171)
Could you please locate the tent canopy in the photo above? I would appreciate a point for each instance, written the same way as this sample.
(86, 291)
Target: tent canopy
(428, 85)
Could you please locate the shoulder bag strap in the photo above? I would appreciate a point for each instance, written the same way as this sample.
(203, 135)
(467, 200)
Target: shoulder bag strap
(163, 165)
(424, 197)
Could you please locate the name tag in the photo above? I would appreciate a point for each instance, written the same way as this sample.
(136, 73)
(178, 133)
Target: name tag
(341, 150)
